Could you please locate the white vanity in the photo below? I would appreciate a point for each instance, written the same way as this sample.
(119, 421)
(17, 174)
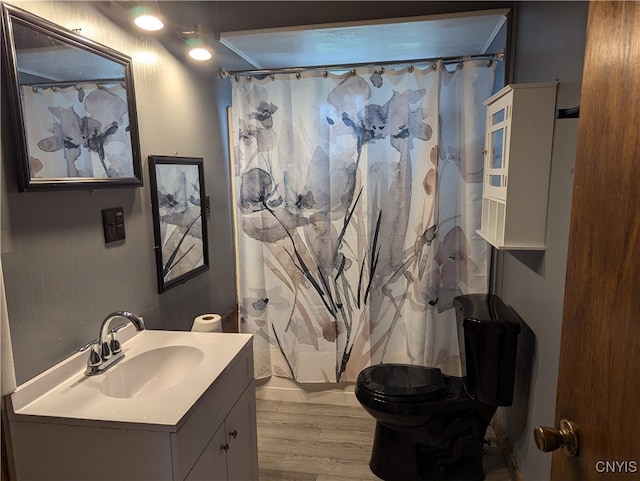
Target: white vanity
(179, 406)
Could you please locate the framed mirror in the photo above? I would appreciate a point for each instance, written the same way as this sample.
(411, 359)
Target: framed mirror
(73, 107)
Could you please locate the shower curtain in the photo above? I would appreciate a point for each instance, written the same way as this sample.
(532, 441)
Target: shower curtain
(357, 199)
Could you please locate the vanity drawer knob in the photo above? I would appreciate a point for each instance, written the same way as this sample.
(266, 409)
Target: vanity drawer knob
(234, 433)
(225, 447)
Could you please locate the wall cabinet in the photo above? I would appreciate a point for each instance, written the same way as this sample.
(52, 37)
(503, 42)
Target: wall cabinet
(517, 162)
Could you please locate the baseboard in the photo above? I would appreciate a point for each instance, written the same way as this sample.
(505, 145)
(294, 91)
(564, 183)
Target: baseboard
(280, 389)
(505, 447)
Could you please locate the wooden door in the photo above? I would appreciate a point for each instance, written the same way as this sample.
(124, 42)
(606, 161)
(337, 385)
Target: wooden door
(599, 379)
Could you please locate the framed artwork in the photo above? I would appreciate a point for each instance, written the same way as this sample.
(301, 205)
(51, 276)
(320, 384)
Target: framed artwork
(179, 219)
(72, 105)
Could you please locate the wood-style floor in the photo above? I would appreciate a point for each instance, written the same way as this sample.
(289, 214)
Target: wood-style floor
(319, 442)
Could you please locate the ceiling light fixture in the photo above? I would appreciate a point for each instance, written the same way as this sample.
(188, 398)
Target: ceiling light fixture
(196, 40)
(148, 18)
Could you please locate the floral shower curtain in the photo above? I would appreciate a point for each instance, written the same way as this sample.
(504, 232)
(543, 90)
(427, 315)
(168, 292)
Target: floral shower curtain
(358, 197)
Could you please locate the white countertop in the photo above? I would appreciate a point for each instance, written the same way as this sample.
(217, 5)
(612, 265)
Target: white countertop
(65, 392)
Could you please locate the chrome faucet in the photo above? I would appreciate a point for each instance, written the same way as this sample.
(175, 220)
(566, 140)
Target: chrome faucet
(107, 350)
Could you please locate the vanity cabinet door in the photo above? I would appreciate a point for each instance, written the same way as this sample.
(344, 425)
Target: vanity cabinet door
(232, 453)
(212, 463)
(242, 458)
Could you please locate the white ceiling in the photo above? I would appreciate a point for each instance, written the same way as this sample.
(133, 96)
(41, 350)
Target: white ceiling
(368, 42)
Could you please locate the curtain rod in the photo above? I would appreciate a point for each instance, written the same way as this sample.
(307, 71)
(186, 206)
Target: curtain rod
(224, 73)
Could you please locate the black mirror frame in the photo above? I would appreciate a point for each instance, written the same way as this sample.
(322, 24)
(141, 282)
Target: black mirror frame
(25, 181)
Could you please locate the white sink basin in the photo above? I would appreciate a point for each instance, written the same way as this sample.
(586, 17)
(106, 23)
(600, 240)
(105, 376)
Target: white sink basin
(151, 372)
(160, 378)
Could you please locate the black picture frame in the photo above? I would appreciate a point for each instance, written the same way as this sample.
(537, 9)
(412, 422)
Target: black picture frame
(179, 218)
(73, 107)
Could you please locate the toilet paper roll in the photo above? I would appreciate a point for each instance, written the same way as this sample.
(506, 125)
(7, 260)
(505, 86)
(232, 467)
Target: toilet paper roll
(207, 323)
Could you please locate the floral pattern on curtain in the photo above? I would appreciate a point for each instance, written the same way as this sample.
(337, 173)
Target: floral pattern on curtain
(358, 197)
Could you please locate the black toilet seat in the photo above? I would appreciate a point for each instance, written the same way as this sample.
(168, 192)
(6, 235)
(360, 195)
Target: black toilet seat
(402, 382)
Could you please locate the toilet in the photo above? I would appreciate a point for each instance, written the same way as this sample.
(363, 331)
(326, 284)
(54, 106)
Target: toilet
(430, 426)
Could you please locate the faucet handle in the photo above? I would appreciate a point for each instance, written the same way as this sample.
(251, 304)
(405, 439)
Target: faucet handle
(114, 344)
(94, 357)
(93, 362)
(106, 351)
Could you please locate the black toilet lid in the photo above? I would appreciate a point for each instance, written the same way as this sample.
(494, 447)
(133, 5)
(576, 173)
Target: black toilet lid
(403, 381)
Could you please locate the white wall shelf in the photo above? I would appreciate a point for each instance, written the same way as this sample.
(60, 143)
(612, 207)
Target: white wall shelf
(517, 163)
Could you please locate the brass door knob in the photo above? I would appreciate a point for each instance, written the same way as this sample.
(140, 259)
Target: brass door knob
(565, 437)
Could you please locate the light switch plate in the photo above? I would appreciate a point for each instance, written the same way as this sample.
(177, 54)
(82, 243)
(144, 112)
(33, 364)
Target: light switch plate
(113, 224)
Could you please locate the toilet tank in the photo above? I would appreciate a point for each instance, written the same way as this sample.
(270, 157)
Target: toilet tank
(488, 337)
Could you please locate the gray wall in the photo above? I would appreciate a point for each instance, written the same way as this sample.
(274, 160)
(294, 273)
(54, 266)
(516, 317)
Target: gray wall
(61, 279)
(499, 43)
(549, 45)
